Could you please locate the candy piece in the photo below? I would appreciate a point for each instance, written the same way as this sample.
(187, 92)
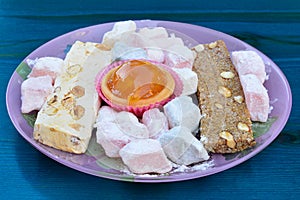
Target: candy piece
(122, 51)
(106, 113)
(156, 122)
(137, 85)
(182, 147)
(249, 62)
(111, 138)
(66, 121)
(179, 56)
(155, 54)
(145, 156)
(137, 80)
(221, 100)
(50, 66)
(189, 80)
(160, 46)
(181, 111)
(118, 29)
(34, 92)
(166, 43)
(115, 130)
(125, 121)
(131, 126)
(154, 33)
(134, 39)
(256, 97)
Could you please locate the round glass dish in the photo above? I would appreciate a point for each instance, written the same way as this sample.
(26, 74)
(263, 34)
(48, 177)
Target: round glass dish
(94, 162)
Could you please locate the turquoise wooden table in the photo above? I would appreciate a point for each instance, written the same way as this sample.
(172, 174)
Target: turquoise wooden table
(273, 28)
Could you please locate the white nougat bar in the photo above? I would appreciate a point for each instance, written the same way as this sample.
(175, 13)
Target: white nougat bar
(66, 119)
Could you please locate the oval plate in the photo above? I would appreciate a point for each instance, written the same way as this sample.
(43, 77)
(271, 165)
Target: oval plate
(95, 162)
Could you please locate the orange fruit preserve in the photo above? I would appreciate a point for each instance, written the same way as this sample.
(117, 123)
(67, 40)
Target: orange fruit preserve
(138, 81)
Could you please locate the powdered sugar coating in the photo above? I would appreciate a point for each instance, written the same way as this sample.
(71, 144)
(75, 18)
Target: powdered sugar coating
(34, 92)
(156, 122)
(145, 156)
(181, 111)
(256, 97)
(43, 66)
(249, 62)
(182, 147)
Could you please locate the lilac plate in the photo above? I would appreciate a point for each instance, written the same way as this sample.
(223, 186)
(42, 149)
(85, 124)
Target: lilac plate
(94, 160)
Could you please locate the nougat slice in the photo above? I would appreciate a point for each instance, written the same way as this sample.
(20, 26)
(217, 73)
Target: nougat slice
(226, 125)
(66, 120)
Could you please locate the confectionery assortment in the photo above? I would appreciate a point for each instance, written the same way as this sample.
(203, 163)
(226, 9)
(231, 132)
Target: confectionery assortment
(154, 102)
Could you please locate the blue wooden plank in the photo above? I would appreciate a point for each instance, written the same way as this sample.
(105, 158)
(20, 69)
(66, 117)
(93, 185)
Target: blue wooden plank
(66, 7)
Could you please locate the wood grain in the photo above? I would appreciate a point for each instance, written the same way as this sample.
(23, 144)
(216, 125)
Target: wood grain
(271, 27)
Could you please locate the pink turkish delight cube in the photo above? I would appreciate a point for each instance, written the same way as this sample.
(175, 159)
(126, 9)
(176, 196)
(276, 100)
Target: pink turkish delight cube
(116, 129)
(50, 66)
(106, 113)
(154, 33)
(156, 122)
(133, 39)
(145, 156)
(34, 92)
(130, 125)
(249, 62)
(166, 43)
(155, 54)
(111, 138)
(256, 97)
(179, 56)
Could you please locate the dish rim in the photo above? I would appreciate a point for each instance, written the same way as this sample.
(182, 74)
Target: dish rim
(173, 177)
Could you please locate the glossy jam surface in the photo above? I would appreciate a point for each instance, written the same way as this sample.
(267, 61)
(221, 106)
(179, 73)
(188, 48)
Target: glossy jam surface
(137, 80)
